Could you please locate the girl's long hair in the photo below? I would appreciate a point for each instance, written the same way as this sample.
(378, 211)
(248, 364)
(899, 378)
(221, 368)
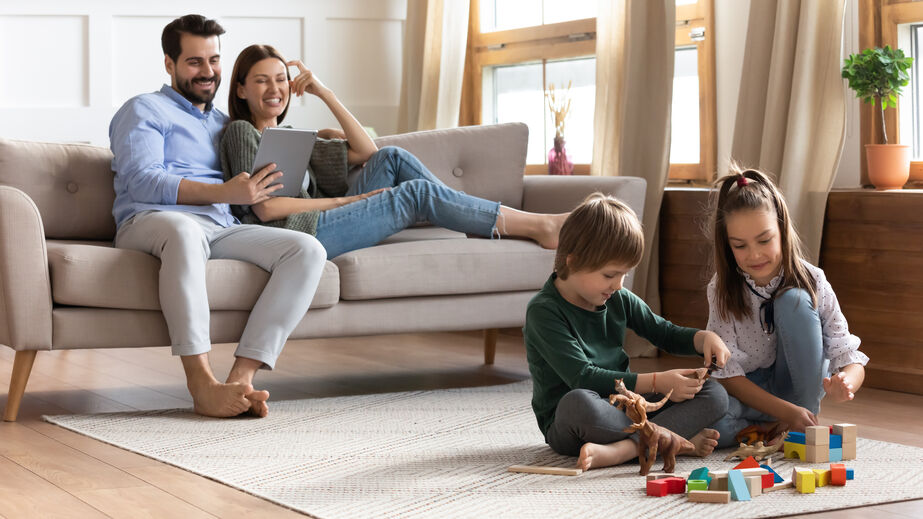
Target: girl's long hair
(730, 194)
(237, 107)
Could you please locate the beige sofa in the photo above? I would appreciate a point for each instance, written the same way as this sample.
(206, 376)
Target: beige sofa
(63, 285)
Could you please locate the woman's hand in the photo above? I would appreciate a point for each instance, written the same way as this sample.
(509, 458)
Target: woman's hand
(683, 382)
(331, 133)
(345, 200)
(710, 345)
(839, 388)
(306, 81)
(798, 418)
(246, 189)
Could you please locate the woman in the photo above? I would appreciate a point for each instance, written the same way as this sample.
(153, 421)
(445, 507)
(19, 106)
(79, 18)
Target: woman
(392, 191)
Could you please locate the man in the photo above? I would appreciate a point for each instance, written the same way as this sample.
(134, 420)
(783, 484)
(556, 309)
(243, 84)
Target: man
(171, 202)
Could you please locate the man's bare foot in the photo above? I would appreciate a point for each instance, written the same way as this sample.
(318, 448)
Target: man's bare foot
(705, 443)
(547, 236)
(220, 400)
(595, 455)
(258, 405)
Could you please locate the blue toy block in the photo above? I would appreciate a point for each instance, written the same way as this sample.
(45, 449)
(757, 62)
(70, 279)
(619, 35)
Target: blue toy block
(795, 437)
(836, 455)
(700, 473)
(849, 473)
(836, 441)
(776, 478)
(740, 491)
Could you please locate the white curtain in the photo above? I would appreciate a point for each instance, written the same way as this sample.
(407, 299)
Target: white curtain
(791, 110)
(435, 41)
(634, 95)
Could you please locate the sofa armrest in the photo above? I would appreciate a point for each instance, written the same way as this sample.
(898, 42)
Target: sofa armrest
(559, 194)
(25, 286)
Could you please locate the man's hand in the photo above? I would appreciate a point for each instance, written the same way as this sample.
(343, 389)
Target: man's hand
(306, 81)
(246, 189)
(838, 388)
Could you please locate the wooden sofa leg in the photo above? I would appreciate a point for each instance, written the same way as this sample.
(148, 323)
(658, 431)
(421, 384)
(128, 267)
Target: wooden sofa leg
(22, 367)
(490, 345)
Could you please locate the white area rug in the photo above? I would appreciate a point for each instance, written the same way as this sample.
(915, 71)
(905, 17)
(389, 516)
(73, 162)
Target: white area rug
(444, 454)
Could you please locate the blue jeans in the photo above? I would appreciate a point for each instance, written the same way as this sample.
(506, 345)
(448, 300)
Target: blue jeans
(416, 195)
(797, 373)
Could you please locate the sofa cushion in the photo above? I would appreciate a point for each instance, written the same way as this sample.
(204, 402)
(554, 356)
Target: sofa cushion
(443, 267)
(105, 277)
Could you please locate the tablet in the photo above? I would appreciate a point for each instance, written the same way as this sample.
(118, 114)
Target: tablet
(290, 150)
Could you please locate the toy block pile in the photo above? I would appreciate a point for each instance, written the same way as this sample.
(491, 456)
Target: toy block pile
(747, 480)
(822, 444)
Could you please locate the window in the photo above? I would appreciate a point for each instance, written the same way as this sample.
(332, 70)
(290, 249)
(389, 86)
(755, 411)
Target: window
(518, 49)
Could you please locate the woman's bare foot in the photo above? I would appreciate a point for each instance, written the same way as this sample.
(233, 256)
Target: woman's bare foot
(595, 455)
(220, 400)
(550, 230)
(705, 442)
(542, 228)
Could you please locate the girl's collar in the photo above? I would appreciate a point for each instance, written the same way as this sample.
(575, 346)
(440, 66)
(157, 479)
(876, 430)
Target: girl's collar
(769, 288)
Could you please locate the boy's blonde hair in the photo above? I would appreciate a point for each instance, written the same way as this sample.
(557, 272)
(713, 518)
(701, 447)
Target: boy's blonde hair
(601, 230)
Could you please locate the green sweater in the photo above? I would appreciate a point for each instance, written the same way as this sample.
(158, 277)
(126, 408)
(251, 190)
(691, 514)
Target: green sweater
(327, 171)
(568, 347)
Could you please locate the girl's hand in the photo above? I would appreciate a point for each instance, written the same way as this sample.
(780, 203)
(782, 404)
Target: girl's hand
(331, 133)
(798, 418)
(838, 388)
(683, 382)
(355, 198)
(710, 345)
(306, 81)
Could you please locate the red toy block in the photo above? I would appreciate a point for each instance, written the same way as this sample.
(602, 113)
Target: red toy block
(675, 485)
(657, 487)
(837, 474)
(749, 463)
(768, 480)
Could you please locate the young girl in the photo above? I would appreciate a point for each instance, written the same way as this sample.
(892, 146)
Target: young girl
(776, 312)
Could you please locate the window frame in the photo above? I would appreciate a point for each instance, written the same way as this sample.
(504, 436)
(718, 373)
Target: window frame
(577, 39)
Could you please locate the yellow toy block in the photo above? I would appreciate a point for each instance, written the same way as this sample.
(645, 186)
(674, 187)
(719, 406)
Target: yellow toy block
(847, 431)
(794, 450)
(817, 453)
(821, 477)
(804, 481)
(849, 450)
(817, 435)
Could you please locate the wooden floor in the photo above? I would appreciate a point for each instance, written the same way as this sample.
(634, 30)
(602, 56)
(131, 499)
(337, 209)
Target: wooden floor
(46, 471)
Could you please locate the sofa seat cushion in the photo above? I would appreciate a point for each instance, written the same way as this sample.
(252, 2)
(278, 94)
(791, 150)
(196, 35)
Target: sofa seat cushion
(443, 267)
(105, 277)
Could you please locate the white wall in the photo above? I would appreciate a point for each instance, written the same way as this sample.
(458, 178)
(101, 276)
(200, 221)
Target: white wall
(66, 67)
(730, 36)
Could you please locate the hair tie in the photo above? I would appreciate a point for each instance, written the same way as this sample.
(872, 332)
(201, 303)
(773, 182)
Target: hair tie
(742, 181)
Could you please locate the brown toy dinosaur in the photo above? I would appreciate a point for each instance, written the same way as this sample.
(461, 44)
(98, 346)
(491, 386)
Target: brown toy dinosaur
(653, 438)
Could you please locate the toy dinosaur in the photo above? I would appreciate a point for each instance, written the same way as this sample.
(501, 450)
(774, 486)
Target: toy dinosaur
(652, 437)
(758, 451)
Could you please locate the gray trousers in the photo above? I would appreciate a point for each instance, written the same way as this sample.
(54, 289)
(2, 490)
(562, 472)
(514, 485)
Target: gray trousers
(184, 242)
(582, 416)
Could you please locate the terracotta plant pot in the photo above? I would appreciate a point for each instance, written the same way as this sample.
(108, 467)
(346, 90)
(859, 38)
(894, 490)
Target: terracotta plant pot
(889, 165)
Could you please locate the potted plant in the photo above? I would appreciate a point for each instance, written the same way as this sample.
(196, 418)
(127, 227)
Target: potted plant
(879, 74)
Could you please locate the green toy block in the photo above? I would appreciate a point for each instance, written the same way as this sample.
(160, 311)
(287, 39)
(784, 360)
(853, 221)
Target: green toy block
(696, 484)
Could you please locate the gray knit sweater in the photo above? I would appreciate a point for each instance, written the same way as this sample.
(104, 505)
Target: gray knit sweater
(327, 171)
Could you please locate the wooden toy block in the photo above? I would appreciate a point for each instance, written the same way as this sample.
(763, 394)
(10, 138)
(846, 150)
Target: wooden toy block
(785, 483)
(718, 484)
(794, 450)
(675, 485)
(817, 435)
(755, 484)
(836, 454)
(849, 450)
(700, 473)
(836, 441)
(718, 473)
(817, 453)
(758, 471)
(657, 487)
(554, 471)
(749, 463)
(709, 496)
(775, 475)
(804, 481)
(849, 474)
(701, 484)
(837, 474)
(847, 431)
(738, 486)
(796, 437)
(659, 475)
(768, 480)
(821, 477)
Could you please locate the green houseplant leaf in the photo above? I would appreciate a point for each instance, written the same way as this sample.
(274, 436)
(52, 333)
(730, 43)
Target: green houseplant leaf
(878, 75)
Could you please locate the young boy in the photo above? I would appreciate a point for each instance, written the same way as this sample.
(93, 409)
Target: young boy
(574, 332)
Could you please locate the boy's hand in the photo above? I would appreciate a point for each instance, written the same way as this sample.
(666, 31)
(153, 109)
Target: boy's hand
(683, 382)
(798, 418)
(838, 388)
(711, 346)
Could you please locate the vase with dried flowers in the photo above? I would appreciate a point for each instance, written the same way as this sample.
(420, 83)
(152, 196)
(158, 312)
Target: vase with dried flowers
(558, 163)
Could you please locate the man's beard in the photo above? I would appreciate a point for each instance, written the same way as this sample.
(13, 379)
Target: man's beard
(184, 86)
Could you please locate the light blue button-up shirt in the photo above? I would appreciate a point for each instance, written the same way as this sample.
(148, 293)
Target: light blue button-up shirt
(158, 139)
